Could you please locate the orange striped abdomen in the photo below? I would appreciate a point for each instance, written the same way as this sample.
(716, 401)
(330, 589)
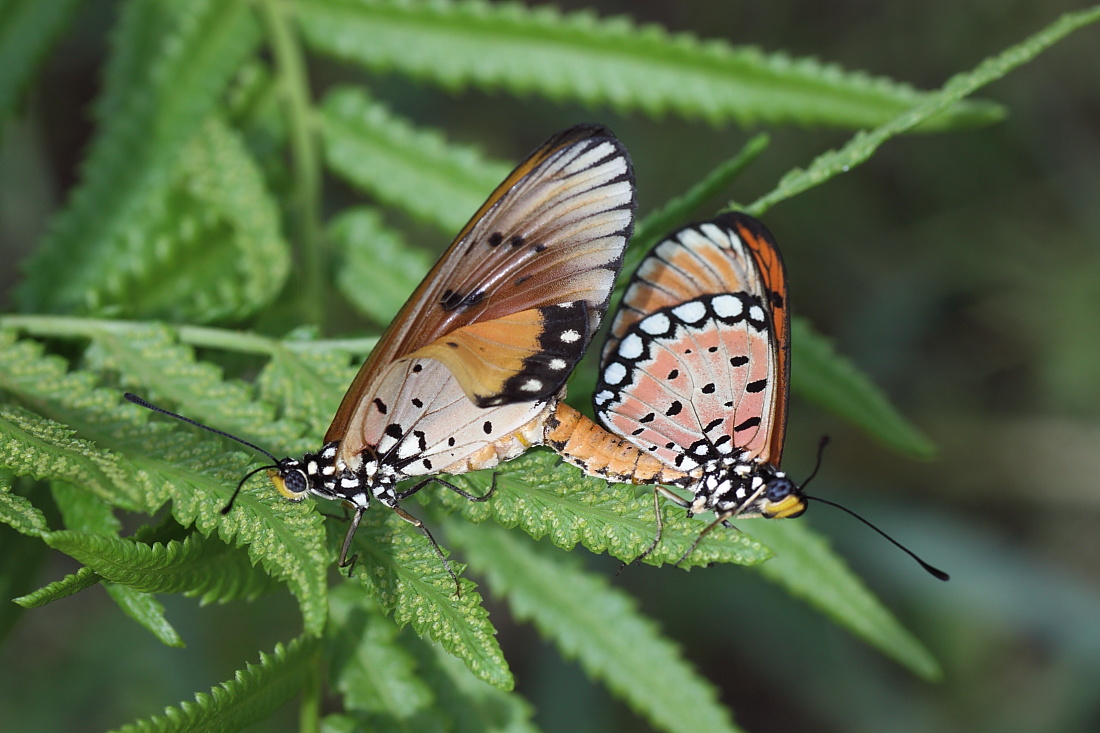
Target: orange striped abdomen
(599, 453)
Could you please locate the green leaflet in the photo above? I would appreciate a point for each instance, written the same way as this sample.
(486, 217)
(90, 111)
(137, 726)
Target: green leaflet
(18, 513)
(27, 28)
(379, 269)
(412, 169)
(172, 60)
(253, 694)
(599, 626)
(831, 381)
(198, 566)
(547, 498)
(808, 569)
(397, 566)
(863, 145)
(612, 62)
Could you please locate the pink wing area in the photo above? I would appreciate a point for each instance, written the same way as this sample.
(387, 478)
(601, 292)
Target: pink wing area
(689, 383)
(695, 364)
(427, 425)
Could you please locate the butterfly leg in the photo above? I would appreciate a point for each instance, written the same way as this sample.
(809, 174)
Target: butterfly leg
(435, 545)
(406, 494)
(722, 519)
(344, 561)
(658, 490)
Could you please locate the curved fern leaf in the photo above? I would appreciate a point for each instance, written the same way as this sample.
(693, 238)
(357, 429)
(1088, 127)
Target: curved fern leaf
(379, 270)
(27, 28)
(808, 569)
(415, 170)
(598, 625)
(547, 498)
(253, 694)
(171, 62)
(399, 568)
(198, 566)
(146, 611)
(613, 61)
(308, 385)
(16, 511)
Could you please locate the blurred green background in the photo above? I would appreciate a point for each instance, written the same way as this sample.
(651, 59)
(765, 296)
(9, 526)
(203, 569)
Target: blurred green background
(960, 270)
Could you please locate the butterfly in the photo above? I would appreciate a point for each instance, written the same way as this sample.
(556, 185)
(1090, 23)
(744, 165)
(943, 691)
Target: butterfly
(474, 363)
(694, 376)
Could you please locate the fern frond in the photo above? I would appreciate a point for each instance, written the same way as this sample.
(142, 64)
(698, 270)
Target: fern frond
(253, 694)
(957, 88)
(598, 625)
(413, 169)
(27, 28)
(150, 360)
(808, 569)
(147, 611)
(614, 62)
(399, 568)
(171, 62)
(55, 591)
(18, 512)
(379, 269)
(308, 384)
(547, 498)
(198, 566)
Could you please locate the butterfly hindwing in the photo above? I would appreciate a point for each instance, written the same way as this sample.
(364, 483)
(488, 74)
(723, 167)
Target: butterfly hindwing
(693, 366)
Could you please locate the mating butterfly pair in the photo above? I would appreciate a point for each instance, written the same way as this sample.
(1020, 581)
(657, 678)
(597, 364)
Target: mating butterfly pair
(471, 371)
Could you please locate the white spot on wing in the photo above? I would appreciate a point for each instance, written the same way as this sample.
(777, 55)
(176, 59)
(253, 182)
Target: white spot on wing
(727, 306)
(631, 347)
(558, 364)
(531, 385)
(656, 325)
(603, 396)
(756, 313)
(614, 373)
(690, 312)
(570, 336)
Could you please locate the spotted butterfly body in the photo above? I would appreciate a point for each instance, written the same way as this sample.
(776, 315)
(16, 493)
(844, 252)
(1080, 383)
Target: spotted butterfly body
(694, 376)
(475, 362)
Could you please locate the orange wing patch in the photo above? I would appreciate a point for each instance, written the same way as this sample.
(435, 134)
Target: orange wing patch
(516, 358)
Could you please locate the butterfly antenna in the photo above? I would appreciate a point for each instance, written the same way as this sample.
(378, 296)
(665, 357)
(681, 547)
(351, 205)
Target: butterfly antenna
(225, 510)
(820, 452)
(935, 572)
(148, 406)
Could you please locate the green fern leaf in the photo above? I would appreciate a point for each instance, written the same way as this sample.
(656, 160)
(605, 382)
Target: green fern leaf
(16, 511)
(308, 384)
(150, 360)
(67, 586)
(398, 567)
(27, 28)
(835, 384)
(598, 625)
(376, 675)
(808, 568)
(546, 498)
(613, 62)
(251, 696)
(379, 270)
(415, 170)
(172, 60)
(147, 611)
(198, 566)
(863, 145)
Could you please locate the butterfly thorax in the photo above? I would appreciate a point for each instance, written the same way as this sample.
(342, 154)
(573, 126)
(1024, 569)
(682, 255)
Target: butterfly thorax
(739, 486)
(323, 474)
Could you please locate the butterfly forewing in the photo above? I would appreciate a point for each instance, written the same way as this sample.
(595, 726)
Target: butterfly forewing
(693, 367)
(551, 234)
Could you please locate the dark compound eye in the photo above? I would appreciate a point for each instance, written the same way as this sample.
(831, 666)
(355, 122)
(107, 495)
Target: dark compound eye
(779, 489)
(296, 481)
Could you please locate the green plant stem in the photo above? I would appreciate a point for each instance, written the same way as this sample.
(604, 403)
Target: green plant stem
(294, 88)
(309, 712)
(204, 336)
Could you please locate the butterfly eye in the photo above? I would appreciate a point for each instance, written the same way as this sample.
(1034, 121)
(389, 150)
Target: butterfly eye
(291, 481)
(779, 489)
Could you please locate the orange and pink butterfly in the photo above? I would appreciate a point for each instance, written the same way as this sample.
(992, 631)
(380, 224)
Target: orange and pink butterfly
(694, 378)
